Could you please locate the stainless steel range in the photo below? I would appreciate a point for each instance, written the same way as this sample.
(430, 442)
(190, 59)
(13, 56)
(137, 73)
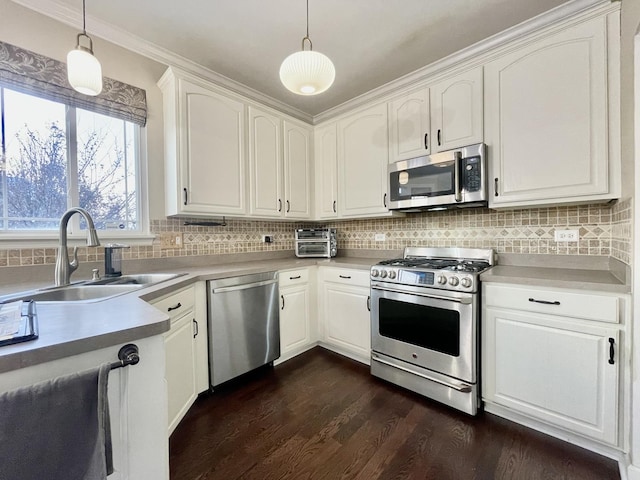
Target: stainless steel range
(425, 322)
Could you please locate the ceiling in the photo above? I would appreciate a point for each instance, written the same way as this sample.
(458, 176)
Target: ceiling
(370, 42)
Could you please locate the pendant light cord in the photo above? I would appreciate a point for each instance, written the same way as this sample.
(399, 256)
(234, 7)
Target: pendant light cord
(84, 18)
(307, 37)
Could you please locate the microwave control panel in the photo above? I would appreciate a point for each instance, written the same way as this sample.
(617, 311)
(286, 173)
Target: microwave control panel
(472, 176)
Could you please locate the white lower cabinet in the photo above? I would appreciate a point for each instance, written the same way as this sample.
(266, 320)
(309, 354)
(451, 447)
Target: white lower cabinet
(137, 404)
(298, 331)
(344, 309)
(184, 352)
(544, 360)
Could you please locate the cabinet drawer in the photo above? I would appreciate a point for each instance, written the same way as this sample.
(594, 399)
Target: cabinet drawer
(589, 306)
(176, 304)
(293, 277)
(347, 275)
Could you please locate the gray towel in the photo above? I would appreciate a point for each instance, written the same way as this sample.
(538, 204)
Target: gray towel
(58, 429)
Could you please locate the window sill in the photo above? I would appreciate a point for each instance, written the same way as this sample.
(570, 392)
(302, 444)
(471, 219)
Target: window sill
(51, 240)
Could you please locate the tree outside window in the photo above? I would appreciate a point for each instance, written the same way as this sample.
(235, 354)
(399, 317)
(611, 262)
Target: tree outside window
(56, 157)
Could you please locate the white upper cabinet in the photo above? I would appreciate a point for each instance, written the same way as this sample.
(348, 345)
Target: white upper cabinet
(204, 148)
(326, 171)
(429, 120)
(409, 125)
(265, 160)
(362, 163)
(280, 166)
(547, 118)
(297, 170)
(456, 111)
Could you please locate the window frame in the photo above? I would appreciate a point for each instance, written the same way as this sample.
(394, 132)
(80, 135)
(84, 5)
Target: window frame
(76, 236)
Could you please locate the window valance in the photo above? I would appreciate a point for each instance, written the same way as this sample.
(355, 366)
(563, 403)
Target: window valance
(35, 74)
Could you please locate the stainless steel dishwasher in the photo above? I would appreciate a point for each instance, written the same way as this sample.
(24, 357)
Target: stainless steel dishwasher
(244, 324)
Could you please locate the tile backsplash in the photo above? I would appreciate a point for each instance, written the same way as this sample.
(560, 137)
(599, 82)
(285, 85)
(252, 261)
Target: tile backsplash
(603, 229)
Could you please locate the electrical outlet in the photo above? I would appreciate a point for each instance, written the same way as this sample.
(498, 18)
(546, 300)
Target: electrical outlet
(267, 238)
(566, 235)
(379, 237)
(170, 240)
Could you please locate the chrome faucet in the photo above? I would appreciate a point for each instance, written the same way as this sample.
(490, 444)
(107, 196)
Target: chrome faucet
(64, 268)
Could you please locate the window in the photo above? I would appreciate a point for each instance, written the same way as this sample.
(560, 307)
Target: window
(56, 156)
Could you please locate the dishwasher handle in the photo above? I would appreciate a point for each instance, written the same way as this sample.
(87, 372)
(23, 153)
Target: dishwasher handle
(244, 286)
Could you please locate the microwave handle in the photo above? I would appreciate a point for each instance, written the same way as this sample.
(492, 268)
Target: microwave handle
(456, 176)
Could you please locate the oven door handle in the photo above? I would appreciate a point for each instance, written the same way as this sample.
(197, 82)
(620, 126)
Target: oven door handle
(462, 387)
(464, 301)
(456, 177)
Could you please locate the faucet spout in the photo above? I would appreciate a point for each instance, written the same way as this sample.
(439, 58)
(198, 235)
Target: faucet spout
(64, 268)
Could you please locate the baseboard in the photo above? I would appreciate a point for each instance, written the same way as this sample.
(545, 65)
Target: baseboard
(294, 353)
(346, 353)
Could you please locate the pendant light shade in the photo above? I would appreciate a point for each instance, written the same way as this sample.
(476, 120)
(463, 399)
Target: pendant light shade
(83, 68)
(307, 72)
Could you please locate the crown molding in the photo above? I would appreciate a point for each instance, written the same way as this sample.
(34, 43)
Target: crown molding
(124, 39)
(476, 54)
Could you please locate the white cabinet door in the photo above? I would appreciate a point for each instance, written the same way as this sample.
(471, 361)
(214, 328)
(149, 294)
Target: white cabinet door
(362, 163)
(204, 149)
(546, 119)
(297, 171)
(456, 111)
(409, 126)
(295, 331)
(554, 370)
(346, 319)
(180, 369)
(326, 171)
(265, 160)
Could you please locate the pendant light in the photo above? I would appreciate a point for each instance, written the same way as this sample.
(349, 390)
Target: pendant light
(83, 69)
(307, 72)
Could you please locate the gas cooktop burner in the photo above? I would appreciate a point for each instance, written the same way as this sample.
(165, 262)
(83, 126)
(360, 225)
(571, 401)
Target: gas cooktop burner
(438, 264)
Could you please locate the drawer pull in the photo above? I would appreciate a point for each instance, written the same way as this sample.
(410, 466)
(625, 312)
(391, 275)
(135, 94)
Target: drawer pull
(345, 276)
(611, 351)
(546, 302)
(295, 278)
(175, 307)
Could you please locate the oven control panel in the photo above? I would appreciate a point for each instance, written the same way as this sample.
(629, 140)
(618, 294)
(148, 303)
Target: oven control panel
(446, 280)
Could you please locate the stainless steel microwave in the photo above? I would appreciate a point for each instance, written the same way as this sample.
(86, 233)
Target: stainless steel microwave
(451, 179)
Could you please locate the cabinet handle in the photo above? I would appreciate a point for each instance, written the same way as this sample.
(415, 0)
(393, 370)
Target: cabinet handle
(345, 276)
(282, 298)
(426, 141)
(288, 206)
(439, 137)
(495, 187)
(185, 195)
(197, 330)
(369, 303)
(279, 205)
(334, 207)
(294, 278)
(546, 302)
(384, 200)
(175, 307)
(611, 350)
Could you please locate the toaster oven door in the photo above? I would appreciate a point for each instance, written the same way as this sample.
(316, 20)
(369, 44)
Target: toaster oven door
(313, 249)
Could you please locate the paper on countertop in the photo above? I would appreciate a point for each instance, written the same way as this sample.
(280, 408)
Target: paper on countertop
(11, 320)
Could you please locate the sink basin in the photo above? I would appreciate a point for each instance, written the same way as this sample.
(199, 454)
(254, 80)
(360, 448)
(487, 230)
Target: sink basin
(138, 279)
(94, 291)
(78, 293)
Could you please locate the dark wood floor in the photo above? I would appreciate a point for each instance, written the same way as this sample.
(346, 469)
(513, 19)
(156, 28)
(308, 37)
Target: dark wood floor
(322, 416)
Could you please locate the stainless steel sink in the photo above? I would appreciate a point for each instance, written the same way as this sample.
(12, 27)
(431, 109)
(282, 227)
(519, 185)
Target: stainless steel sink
(138, 279)
(94, 291)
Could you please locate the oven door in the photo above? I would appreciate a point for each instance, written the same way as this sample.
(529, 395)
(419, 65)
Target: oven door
(310, 248)
(430, 328)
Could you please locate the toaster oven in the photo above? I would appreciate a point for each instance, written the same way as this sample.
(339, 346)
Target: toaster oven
(316, 242)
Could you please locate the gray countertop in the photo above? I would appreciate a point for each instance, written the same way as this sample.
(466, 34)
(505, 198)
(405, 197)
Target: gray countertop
(72, 328)
(67, 329)
(578, 279)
